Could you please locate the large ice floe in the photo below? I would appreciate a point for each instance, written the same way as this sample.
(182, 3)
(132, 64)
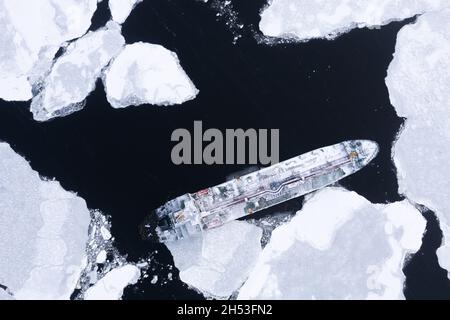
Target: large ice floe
(308, 19)
(145, 73)
(73, 76)
(52, 243)
(419, 88)
(219, 262)
(121, 9)
(43, 231)
(339, 246)
(32, 33)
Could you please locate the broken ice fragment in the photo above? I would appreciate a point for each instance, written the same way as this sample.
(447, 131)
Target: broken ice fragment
(146, 73)
(111, 286)
(101, 257)
(74, 74)
(307, 19)
(339, 246)
(105, 233)
(219, 262)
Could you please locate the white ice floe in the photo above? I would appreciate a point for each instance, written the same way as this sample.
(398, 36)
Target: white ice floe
(219, 262)
(339, 246)
(145, 73)
(73, 76)
(101, 257)
(43, 231)
(111, 286)
(121, 9)
(307, 19)
(105, 233)
(32, 32)
(419, 88)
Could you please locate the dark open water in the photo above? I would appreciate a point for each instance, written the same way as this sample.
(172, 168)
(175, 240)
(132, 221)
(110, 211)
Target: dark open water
(317, 93)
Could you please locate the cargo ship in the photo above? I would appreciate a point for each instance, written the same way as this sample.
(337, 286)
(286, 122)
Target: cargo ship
(193, 213)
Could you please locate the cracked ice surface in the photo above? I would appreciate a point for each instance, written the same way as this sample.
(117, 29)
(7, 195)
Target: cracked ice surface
(5, 295)
(218, 263)
(73, 76)
(32, 32)
(339, 246)
(307, 19)
(43, 231)
(111, 286)
(418, 81)
(121, 9)
(147, 73)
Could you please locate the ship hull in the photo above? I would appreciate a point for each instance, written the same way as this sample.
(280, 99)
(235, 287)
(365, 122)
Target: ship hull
(192, 214)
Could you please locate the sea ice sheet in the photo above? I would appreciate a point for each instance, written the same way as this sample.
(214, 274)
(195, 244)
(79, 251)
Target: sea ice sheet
(219, 262)
(43, 231)
(419, 88)
(146, 73)
(121, 9)
(32, 32)
(307, 19)
(339, 246)
(73, 76)
(111, 286)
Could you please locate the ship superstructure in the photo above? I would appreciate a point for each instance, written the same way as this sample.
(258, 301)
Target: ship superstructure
(191, 214)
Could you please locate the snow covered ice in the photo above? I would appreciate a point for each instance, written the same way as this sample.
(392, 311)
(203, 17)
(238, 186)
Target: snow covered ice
(339, 246)
(307, 19)
(73, 76)
(219, 262)
(111, 286)
(121, 9)
(51, 241)
(36, 30)
(32, 33)
(419, 81)
(43, 231)
(146, 73)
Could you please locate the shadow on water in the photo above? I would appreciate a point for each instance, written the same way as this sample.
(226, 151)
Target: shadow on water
(317, 93)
